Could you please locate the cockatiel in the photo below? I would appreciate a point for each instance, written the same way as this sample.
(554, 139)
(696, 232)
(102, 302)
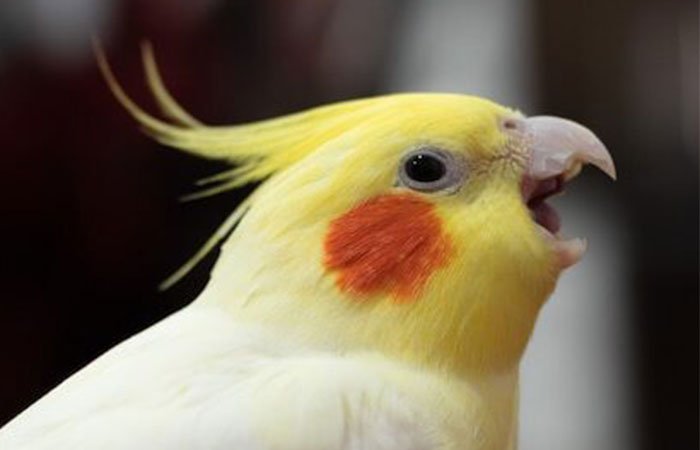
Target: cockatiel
(378, 290)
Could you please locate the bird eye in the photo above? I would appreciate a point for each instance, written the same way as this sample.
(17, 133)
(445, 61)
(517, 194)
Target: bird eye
(430, 170)
(425, 168)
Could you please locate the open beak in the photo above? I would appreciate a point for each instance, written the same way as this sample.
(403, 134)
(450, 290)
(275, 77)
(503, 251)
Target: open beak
(558, 149)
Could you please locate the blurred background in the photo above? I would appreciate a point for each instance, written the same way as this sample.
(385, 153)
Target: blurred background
(91, 222)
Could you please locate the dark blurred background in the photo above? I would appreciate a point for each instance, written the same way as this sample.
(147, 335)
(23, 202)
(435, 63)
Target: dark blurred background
(91, 222)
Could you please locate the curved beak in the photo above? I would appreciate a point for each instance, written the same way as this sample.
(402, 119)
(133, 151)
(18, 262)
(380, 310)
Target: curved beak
(557, 150)
(561, 147)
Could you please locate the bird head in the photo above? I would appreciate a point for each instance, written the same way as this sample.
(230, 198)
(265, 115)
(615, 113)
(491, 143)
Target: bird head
(415, 225)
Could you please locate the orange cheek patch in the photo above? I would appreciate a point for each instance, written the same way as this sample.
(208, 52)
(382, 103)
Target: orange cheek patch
(391, 243)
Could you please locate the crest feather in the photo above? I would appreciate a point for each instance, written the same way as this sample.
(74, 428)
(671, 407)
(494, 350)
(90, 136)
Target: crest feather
(257, 150)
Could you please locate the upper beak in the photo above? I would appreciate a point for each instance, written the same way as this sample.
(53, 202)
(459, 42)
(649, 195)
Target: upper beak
(560, 147)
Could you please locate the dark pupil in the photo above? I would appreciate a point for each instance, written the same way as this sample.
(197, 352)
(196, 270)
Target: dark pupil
(425, 168)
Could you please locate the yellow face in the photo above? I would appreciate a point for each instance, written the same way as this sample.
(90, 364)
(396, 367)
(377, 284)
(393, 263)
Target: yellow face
(429, 184)
(412, 222)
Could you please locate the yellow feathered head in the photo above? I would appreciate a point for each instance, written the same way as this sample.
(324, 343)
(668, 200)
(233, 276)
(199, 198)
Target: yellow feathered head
(417, 221)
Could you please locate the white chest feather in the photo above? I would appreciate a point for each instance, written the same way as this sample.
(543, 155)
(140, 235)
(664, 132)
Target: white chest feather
(199, 380)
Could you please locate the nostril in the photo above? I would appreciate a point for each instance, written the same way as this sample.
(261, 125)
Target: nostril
(510, 125)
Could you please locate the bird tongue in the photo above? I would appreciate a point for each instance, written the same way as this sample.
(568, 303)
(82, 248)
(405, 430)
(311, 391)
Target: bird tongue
(546, 215)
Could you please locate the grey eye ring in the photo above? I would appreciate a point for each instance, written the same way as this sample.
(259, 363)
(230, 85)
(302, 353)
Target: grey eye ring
(431, 169)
